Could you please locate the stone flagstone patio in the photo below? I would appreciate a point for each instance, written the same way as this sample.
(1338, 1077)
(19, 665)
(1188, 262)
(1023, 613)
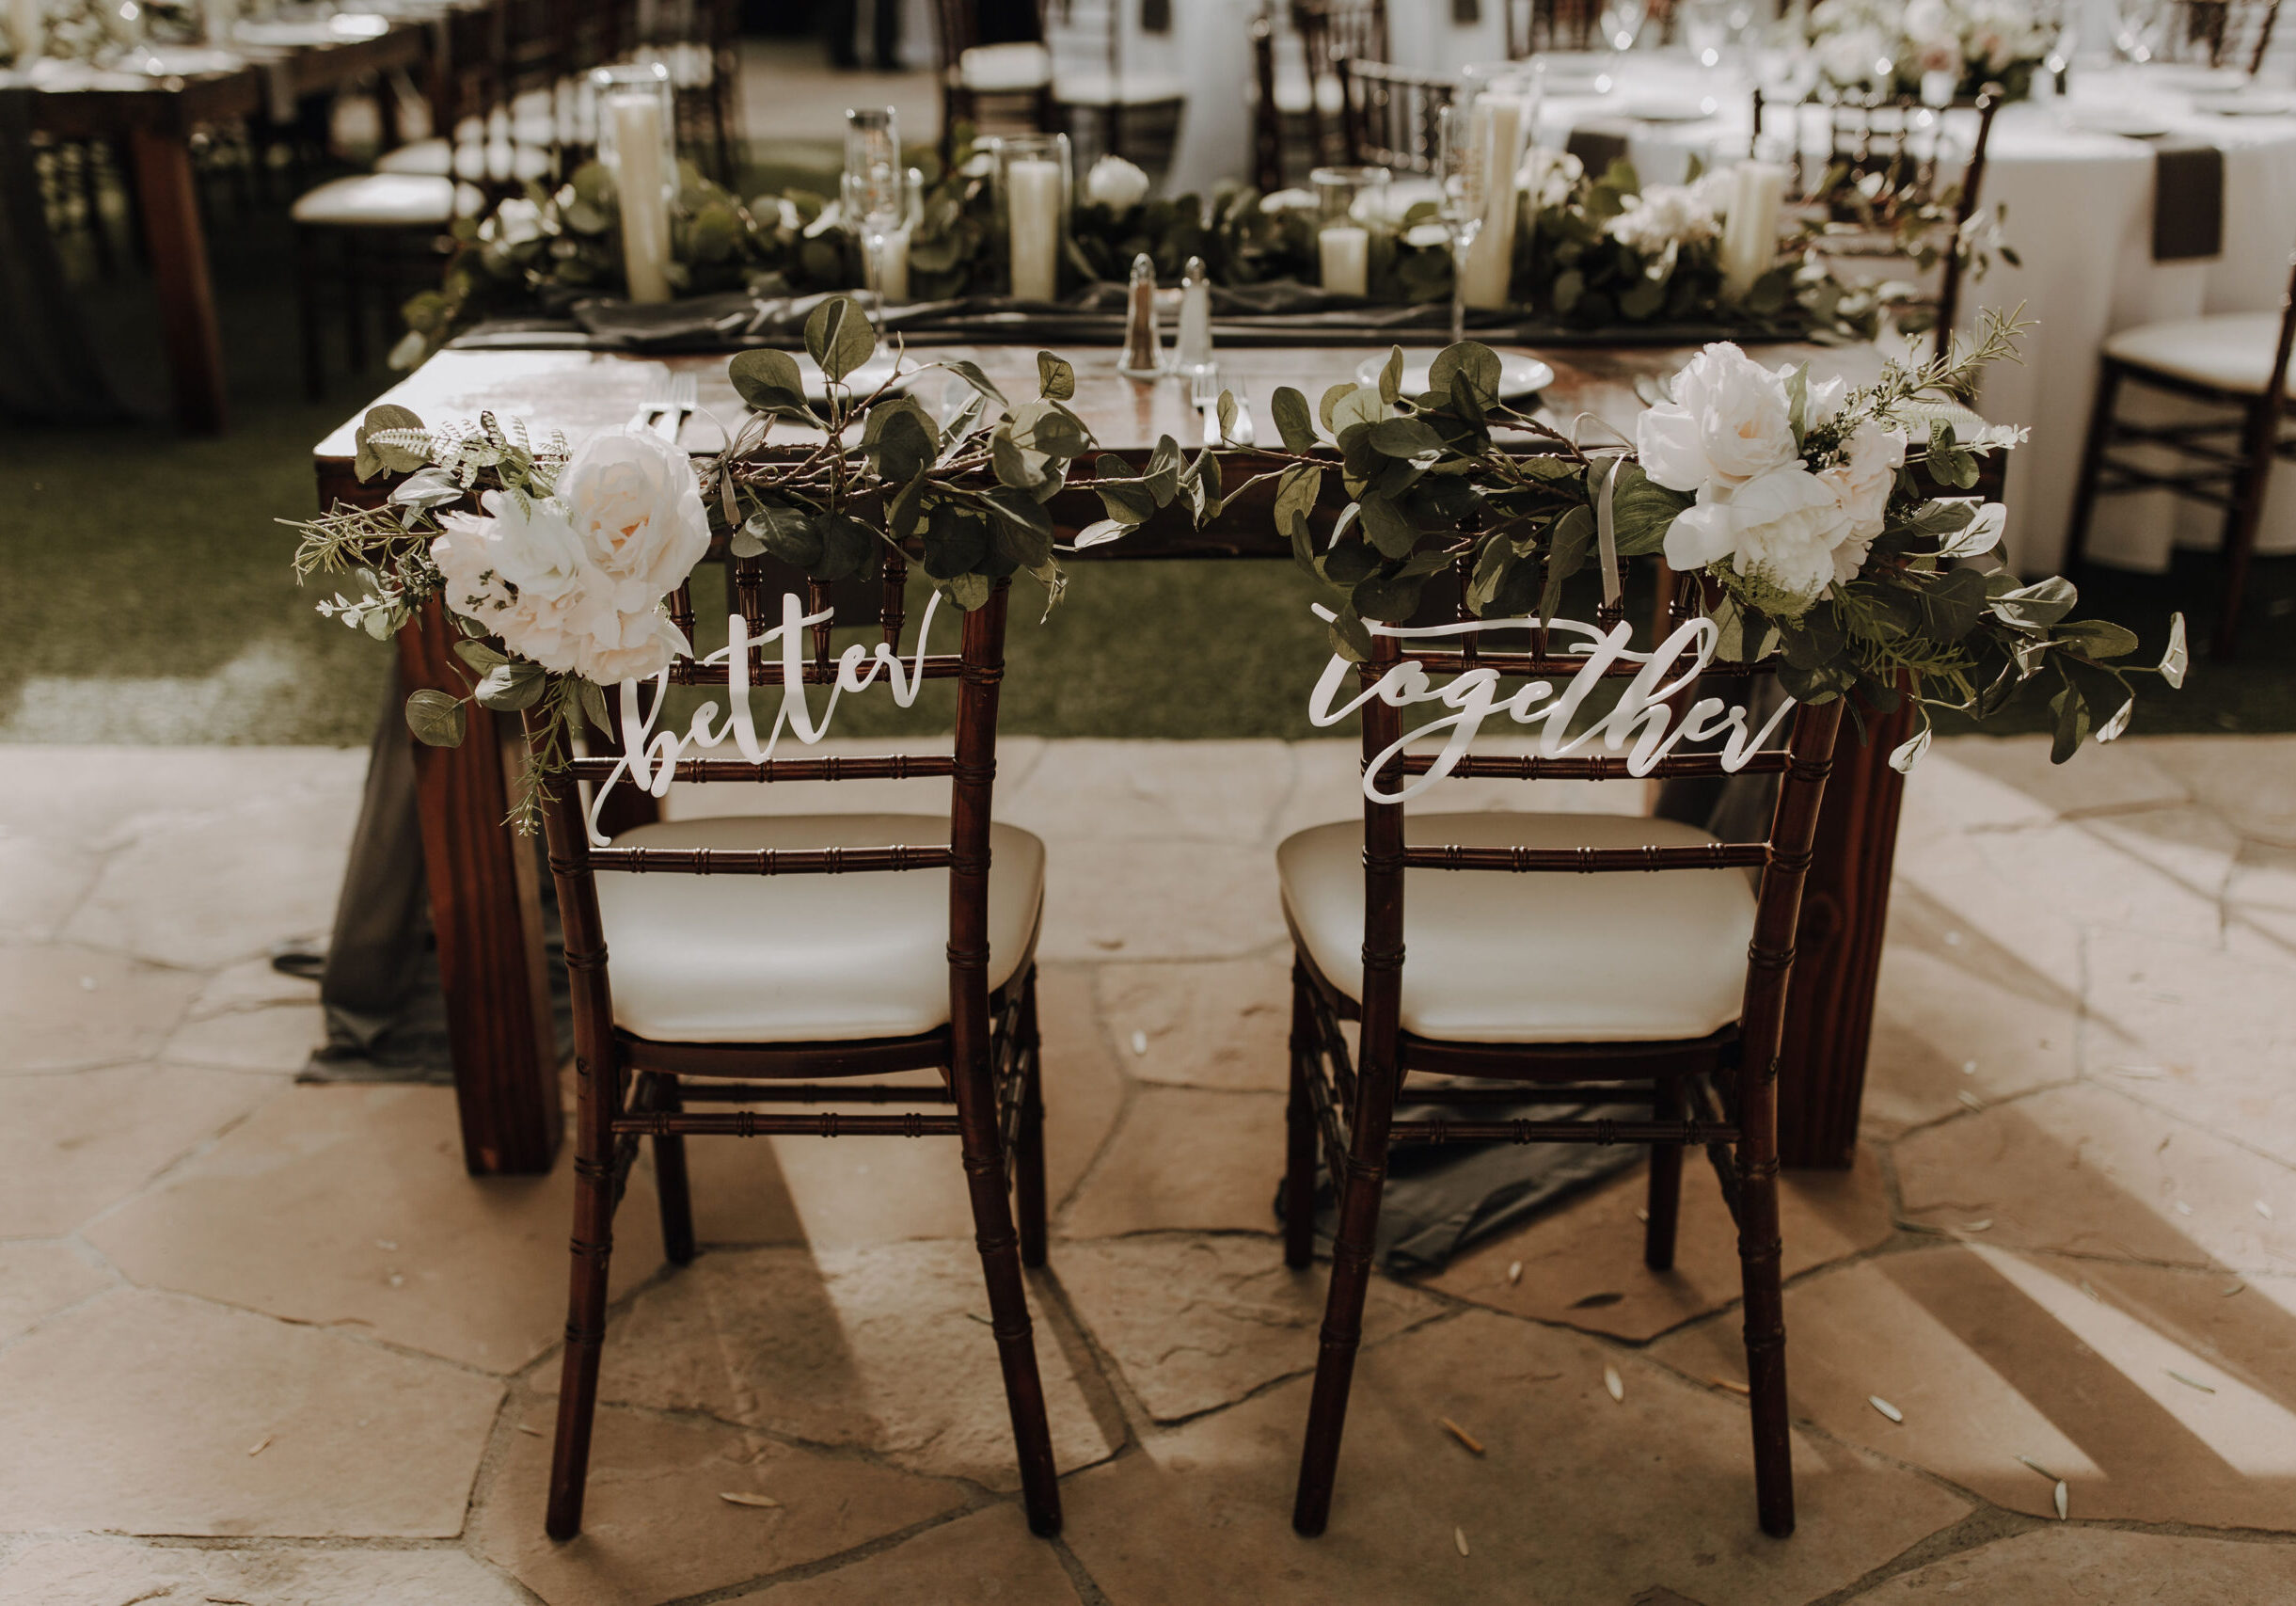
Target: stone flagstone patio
(268, 1344)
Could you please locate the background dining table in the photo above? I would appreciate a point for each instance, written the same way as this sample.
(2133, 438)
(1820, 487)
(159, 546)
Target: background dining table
(483, 885)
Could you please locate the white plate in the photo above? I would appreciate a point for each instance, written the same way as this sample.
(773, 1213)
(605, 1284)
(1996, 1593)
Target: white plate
(2124, 122)
(1668, 109)
(1518, 376)
(2190, 75)
(2254, 102)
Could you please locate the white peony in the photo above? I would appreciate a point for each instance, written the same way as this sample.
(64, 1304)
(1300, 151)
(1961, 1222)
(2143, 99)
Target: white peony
(628, 646)
(1550, 178)
(1664, 215)
(516, 221)
(1728, 424)
(1860, 484)
(1778, 531)
(1116, 184)
(634, 503)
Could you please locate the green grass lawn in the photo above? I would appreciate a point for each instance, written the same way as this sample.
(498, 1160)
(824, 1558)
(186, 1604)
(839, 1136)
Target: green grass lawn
(149, 598)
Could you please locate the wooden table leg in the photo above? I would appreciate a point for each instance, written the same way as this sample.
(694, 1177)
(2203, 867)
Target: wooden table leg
(487, 909)
(170, 210)
(1837, 962)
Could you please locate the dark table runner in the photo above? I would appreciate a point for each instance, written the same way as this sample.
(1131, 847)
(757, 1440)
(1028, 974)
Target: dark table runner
(2188, 200)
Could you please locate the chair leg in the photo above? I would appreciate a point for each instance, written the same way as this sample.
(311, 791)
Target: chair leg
(2242, 516)
(1028, 1147)
(992, 1232)
(590, 1249)
(1665, 1206)
(2092, 466)
(1759, 1249)
(670, 1185)
(1300, 1127)
(1351, 1280)
(306, 312)
(355, 299)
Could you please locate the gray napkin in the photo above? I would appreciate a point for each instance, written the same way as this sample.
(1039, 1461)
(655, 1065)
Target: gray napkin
(1597, 148)
(2188, 200)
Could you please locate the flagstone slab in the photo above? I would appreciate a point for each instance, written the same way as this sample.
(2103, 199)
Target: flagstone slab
(64, 1008)
(1990, 1356)
(91, 794)
(1582, 1262)
(350, 1206)
(1575, 1498)
(849, 1192)
(655, 1526)
(279, 1039)
(986, 1559)
(2096, 780)
(2098, 1567)
(885, 1348)
(1185, 1159)
(201, 890)
(2250, 782)
(2192, 847)
(2213, 1034)
(39, 1279)
(46, 881)
(1206, 791)
(1159, 899)
(102, 1573)
(2086, 1170)
(72, 1146)
(1210, 1024)
(144, 1412)
(1194, 1323)
(1963, 1022)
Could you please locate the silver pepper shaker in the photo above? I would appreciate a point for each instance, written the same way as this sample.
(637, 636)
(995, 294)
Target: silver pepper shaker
(1142, 341)
(1194, 354)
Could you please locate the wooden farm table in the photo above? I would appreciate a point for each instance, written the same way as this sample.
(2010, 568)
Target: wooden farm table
(485, 898)
(154, 119)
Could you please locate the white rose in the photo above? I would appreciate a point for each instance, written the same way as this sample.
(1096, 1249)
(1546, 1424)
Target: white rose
(516, 221)
(1663, 215)
(1116, 184)
(616, 647)
(1778, 531)
(1727, 425)
(635, 506)
(1288, 200)
(1860, 484)
(1550, 178)
(518, 571)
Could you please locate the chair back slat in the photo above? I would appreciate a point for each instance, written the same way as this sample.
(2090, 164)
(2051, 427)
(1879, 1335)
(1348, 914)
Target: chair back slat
(889, 767)
(769, 860)
(1537, 25)
(1388, 116)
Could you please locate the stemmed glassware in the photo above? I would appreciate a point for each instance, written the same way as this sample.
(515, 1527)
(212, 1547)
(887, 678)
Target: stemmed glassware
(1621, 22)
(874, 190)
(2137, 28)
(1463, 171)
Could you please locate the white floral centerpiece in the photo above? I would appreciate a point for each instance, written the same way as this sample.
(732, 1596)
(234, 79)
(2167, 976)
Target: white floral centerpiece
(1882, 46)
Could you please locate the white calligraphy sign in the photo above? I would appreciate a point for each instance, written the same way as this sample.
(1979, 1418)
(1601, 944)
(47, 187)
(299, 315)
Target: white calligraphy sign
(1641, 721)
(650, 757)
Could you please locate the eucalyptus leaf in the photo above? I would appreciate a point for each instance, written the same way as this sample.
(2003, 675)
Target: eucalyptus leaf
(436, 717)
(376, 458)
(838, 335)
(478, 655)
(788, 532)
(1292, 421)
(1055, 379)
(1386, 527)
(594, 704)
(511, 686)
(1349, 638)
(766, 380)
(969, 591)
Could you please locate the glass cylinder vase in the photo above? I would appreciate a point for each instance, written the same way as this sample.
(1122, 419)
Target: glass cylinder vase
(1348, 201)
(1031, 200)
(638, 143)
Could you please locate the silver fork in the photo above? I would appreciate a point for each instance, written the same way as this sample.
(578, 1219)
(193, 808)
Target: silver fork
(1204, 396)
(667, 404)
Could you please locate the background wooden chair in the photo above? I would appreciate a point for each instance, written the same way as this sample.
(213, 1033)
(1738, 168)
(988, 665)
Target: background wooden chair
(1299, 96)
(1544, 985)
(1389, 117)
(991, 87)
(1886, 173)
(2224, 33)
(726, 992)
(2236, 365)
(1537, 25)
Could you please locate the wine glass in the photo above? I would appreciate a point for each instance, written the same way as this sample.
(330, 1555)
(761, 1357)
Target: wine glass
(1462, 170)
(874, 190)
(2137, 28)
(1706, 29)
(1621, 22)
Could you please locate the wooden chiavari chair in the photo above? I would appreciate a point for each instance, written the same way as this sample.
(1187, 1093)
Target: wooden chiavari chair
(2227, 33)
(1320, 34)
(1537, 989)
(2234, 363)
(726, 992)
(991, 88)
(1389, 117)
(1883, 159)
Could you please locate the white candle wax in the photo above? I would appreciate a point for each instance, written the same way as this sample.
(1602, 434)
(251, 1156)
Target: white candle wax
(892, 266)
(1033, 214)
(640, 182)
(24, 25)
(217, 19)
(1346, 252)
(1500, 122)
(1749, 234)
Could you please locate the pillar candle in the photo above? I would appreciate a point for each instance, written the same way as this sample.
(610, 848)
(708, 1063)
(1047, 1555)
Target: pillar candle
(1749, 234)
(642, 184)
(217, 20)
(1033, 208)
(1346, 252)
(892, 266)
(28, 28)
(1500, 123)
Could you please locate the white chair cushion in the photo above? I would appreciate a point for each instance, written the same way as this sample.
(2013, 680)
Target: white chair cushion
(802, 958)
(378, 201)
(498, 160)
(2232, 351)
(431, 158)
(1493, 956)
(1005, 69)
(1295, 92)
(1132, 89)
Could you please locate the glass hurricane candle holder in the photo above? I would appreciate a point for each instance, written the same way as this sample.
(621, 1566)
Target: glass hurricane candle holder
(1033, 199)
(1348, 201)
(638, 143)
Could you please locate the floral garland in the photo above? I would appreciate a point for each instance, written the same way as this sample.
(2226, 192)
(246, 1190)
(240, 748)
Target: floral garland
(1881, 44)
(1597, 251)
(1794, 499)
